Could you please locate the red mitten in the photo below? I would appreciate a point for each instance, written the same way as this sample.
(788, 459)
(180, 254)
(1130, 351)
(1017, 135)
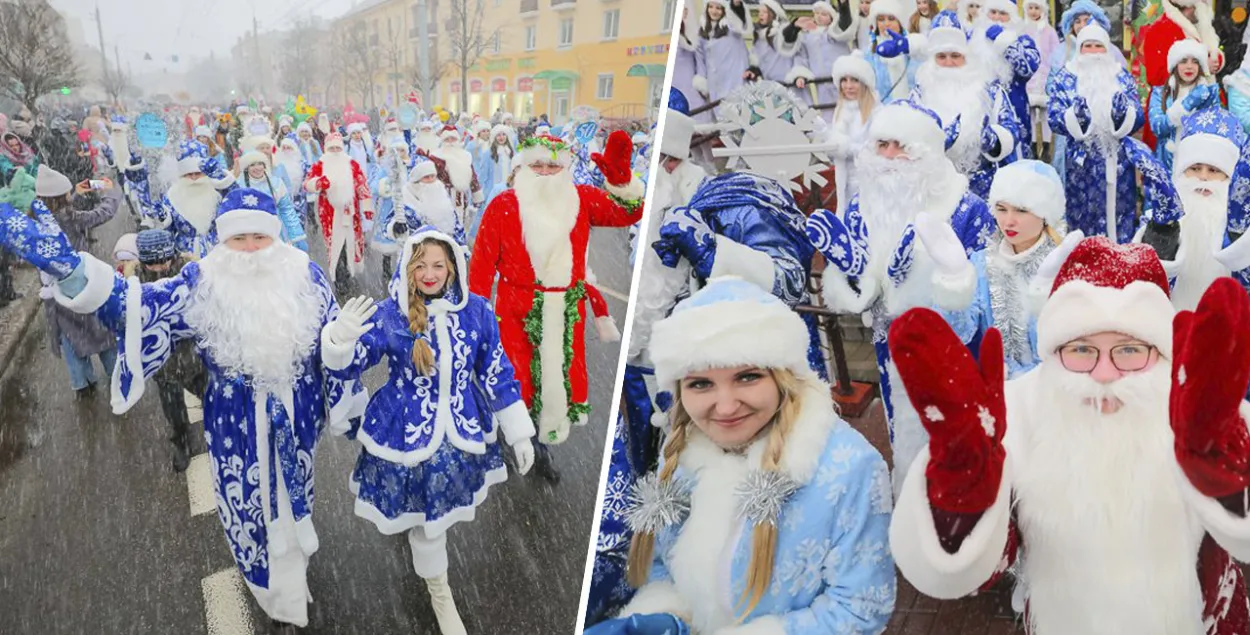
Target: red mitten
(960, 405)
(323, 183)
(614, 163)
(1210, 372)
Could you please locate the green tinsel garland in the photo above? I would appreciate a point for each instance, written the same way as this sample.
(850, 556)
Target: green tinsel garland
(534, 330)
(629, 205)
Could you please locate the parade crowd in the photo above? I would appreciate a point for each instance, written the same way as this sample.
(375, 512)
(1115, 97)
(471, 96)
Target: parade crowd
(483, 230)
(1050, 255)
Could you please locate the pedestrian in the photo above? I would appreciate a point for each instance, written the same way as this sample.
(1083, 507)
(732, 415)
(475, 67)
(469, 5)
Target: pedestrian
(255, 174)
(183, 372)
(343, 203)
(1190, 88)
(857, 99)
(454, 382)
(754, 447)
(16, 154)
(722, 58)
(126, 251)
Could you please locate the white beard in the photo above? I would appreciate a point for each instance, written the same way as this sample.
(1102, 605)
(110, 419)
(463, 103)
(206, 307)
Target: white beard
(958, 92)
(676, 189)
(981, 49)
(427, 141)
(433, 204)
(459, 166)
(237, 301)
(119, 143)
(323, 126)
(338, 169)
(1109, 544)
(891, 193)
(293, 162)
(196, 201)
(549, 207)
(1097, 80)
(1202, 234)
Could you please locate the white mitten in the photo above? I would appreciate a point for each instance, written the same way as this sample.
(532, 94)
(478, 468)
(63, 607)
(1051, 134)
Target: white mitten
(942, 244)
(352, 322)
(524, 456)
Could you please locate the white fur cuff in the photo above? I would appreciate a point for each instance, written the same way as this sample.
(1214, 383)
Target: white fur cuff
(1237, 255)
(1176, 111)
(334, 355)
(658, 597)
(605, 326)
(632, 191)
(514, 421)
(1126, 127)
(840, 297)
(1229, 531)
(798, 71)
(735, 259)
(918, 44)
(1006, 143)
(311, 184)
(955, 292)
(1074, 125)
(100, 282)
(1005, 40)
(699, 83)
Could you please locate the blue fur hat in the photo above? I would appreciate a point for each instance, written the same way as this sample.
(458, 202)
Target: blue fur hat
(191, 154)
(1080, 8)
(248, 211)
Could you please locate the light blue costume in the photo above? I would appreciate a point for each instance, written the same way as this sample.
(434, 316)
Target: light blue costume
(430, 443)
(1238, 87)
(292, 222)
(1165, 117)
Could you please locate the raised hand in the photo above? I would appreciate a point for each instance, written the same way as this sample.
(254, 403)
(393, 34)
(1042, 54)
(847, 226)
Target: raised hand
(942, 244)
(213, 169)
(1120, 105)
(41, 243)
(960, 404)
(994, 31)
(614, 162)
(842, 246)
(1210, 374)
(684, 233)
(353, 320)
(895, 46)
(904, 256)
(990, 143)
(953, 131)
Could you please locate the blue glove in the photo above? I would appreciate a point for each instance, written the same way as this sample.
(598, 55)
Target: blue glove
(1081, 107)
(213, 169)
(904, 255)
(990, 144)
(654, 624)
(684, 233)
(895, 46)
(1120, 104)
(952, 131)
(842, 246)
(1198, 97)
(40, 243)
(994, 31)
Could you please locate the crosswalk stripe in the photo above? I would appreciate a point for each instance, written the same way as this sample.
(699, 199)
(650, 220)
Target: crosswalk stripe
(200, 485)
(225, 604)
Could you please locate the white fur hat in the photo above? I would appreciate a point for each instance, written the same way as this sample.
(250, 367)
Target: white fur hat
(49, 182)
(1187, 48)
(501, 129)
(357, 127)
(822, 5)
(422, 169)
(946, 39)
(910, 124)
(304, 126)
(678, 130)
(777, 10)
(480, 126)
(1032, 186)
(1038, 3)
(1006, 6)
(255, 156)
(334, 140)
(203, 131)
(887, 7)
(1213, 137)
(730, 322)
(1093, 32)
(546, 148)
(254, 142)
(855, 65)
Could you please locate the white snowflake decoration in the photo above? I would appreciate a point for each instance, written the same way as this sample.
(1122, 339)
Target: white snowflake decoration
(250, 200)
(766, 131)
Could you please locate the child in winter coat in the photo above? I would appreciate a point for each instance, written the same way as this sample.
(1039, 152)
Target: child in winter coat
(769, 513)
(430, 434)
(1189, 88)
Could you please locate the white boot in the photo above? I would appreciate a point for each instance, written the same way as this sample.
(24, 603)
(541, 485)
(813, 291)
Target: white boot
(444, 606)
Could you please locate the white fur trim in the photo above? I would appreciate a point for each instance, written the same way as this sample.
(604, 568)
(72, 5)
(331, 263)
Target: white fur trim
(658, 597)
(1005, 39)
(1126, 127)
(349, 407)
(699, 83)
(945, 39)
(1237, 255)
(224, 182)
(779, 12)
(955, 292)
(1006, 143)
(255, 156)
(1176, 111)
(840, 297)
(919, 554)
(918, 43)
(854, 65)
(1078, 308)
(727, 334)
(763, 625)
(895, 122)
(1208, 148)
(335, 355)
(1073, 124)
(536, 153)
(132, 340)
(1203, 31)
(1186, 48)
(798, 71)
(678, 131)
(1028, 190)
(1229, 531)
(605, 326)
(514, 421)
(404, 522)
(888, 7)
(189, 165)
(100, 281)
(248, 221)
(632, 191)
(735, 259)
(311, 184)
(554, 417)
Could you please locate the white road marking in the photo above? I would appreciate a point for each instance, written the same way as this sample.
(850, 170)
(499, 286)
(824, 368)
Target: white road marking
(200, 485)
(225, 604)
(623, 297)
(192, 400)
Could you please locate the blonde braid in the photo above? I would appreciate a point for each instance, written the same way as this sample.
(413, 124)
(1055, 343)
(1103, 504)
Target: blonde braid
(642, 545)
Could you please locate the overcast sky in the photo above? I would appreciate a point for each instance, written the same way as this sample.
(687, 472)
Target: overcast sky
(185, 28)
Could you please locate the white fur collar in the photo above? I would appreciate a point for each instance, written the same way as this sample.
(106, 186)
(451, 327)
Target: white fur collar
(1203, 31)
(803, 449)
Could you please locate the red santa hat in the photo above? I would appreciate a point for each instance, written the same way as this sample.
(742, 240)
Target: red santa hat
(333, 140)
(1102, 287)
(449, 133)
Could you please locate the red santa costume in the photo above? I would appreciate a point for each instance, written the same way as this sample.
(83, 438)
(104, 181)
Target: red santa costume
(534, 238)
(343, 204)
(1120, 497)
(458, 162)
(193, 120)
(1173, 26)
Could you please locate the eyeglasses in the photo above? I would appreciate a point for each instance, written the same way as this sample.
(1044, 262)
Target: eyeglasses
(1127, 358)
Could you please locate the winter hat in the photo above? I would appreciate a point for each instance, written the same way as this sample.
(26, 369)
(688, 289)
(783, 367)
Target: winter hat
(500, 129)
(1093, 32)
(191, 154)
(542, 131)
(421, 169)
(481, 126)
(730, 322)
(356, 127)
(247, 211)
(946, 35)
(888, 7)
(1031, 185)
(258, 126)
(286, 120)
(855, 65)
(255, 156)
(779, 11)
(203, 131)
(126, 248)
(290, 142)
(678, 127)
(1006, 6)
(1103, 286)
(909, 123)
(825, 7)
(334, 140)
(1078, 9)
(50, 183)
(1038, 3)
(425, 125)
(254, 142)
(1187, 48)
(1213, 137)
(449, 133)
(154, 245)
(545, 148)
(304, 127)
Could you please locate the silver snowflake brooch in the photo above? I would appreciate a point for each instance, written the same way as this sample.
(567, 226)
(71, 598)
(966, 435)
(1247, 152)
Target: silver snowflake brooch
(250, 200)
(762, 494)
(655, 504)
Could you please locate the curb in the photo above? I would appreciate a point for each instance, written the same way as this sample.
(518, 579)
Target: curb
(25, 312)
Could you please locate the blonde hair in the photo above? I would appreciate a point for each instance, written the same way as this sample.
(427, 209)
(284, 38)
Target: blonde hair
(763, 534)
(867, 101)
(418, 320)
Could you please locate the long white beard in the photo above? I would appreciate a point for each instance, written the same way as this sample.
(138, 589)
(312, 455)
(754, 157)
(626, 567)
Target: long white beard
(459, 166)
(1202, 233)
(549, 207)
(241, 296)
(433, 204)
(1097, 80)
(196, 201)
(891, 193)
(958, 92)
(338, 169)
(981, 49)
(676, 189)
(119, 143)
(1110, 546)
(293, 163)
(427, 141)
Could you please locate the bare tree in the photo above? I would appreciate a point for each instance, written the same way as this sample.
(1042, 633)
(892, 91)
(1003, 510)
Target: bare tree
(115, 82)
(439, 69)
(36, 57)
(299, 57)
(357, 60)
(467, 41)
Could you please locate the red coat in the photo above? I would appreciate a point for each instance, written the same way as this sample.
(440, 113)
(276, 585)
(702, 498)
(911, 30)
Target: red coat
(361, 205)
(500, 252)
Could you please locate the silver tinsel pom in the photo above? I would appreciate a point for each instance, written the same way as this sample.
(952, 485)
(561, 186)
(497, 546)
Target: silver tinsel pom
(656, 504)
(762, 494)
